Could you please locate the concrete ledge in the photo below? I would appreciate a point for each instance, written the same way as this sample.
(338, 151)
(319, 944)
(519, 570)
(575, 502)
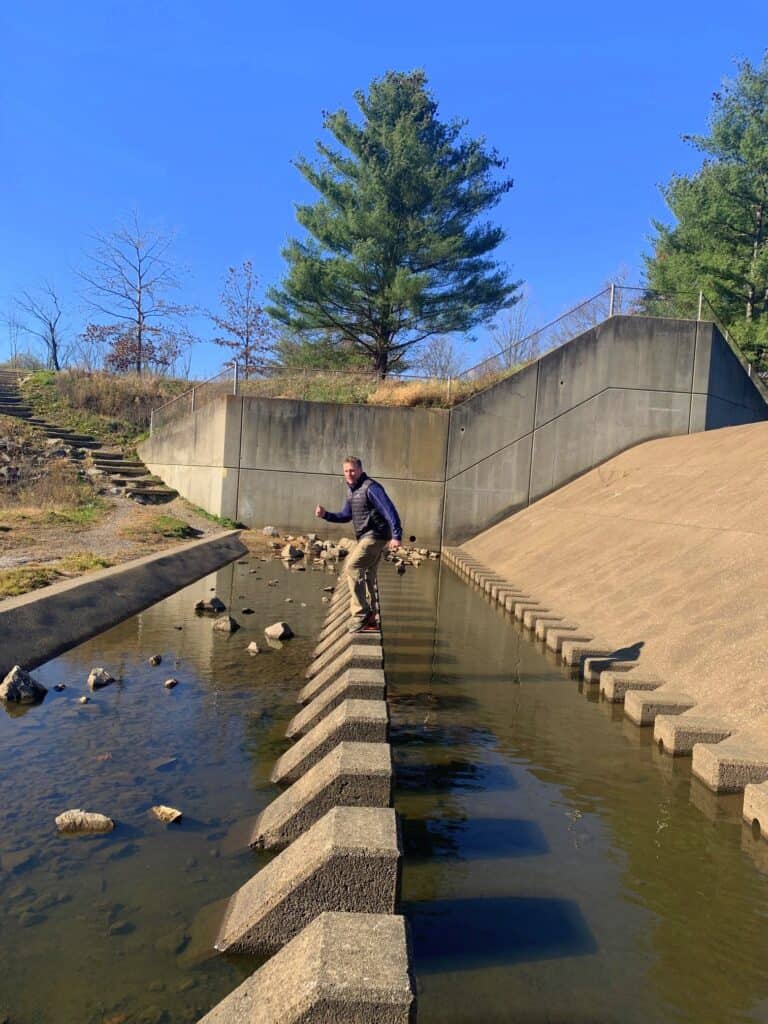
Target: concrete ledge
(332, 623)
(340, 644)
(755, 809)
(727, 767)
(543, 626)
(533, 615)
(677, 734)
(351, 775)
(500, 591)
(556, 636)
(358, 721)
(356, 684)
(346, 861)
(593, 668)
(573, 651)
(341, 969)
(355, 656)
(614, 686)
(521, 607)
(43, 624)
(642, 709)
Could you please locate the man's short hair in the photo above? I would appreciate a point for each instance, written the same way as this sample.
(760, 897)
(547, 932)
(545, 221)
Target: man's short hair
(354, 460)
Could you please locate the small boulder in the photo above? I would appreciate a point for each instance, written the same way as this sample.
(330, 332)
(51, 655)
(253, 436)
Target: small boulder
(155, 659)
(226, 624)
(170, 683)
(79, 821)
(99, 677)
(84, 700)
(253, 648)
(19, 687)
(290, 553)
(167, 814)
(216, 605)
(278, 631)
(270, 531)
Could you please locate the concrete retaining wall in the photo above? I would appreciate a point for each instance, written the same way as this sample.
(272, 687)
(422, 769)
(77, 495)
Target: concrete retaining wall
(453, 474)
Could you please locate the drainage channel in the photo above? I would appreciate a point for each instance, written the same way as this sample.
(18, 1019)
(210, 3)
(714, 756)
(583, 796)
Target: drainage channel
(557, 866)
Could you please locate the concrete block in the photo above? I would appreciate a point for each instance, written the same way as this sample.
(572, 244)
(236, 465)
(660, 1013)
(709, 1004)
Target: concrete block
(346, 861)
(521, 607)
(727, 767)
(642, 708)
(556, 637)
(573, 652)
(341, 969)
(492, 581)
(351, 775)
(358, 721)
(356, 684)
(676, 734)
(500, 592)
(593, 668)
(337, 648)
(341, 629)
(614, 686)
(545, 623)
(355, 656)
(755, 809)
(532, 616)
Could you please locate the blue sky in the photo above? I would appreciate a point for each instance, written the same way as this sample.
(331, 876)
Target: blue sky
(191, 114)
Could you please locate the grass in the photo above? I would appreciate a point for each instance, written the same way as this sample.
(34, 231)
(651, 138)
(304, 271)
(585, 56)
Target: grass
(151, 528)
(79, 515)
(223, 521)
(23, 579)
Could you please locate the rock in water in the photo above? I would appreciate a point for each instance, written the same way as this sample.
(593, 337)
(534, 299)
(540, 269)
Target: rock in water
(278, 631)
(291, 552)
(155, 659)
(78, 821)
(270, 531)
(166, 814)
(216, 604)
(226, 624)
(170, 683)
(253, 648)
(99, 677)
(19, 687)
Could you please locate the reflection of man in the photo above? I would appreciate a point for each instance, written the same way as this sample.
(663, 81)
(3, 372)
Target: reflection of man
(377, 525)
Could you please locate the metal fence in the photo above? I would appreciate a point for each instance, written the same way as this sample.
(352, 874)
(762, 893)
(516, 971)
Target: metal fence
(224, 383)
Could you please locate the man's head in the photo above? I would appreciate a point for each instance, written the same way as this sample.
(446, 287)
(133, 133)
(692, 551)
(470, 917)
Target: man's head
(353, 469)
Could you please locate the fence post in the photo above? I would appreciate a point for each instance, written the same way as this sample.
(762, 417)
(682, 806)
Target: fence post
(194, 390)
(234, 381)
(613, 300)
(449, 391)
(151, 421)
(701, 303)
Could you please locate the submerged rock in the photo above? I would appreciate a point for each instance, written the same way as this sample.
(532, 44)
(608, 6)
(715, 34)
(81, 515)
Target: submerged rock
(278, 631)
(78, 821)
(226, 624)
(166, 814)
(155, 659)
(170, 683)
(253, 648)
(84, 700)
(290, 552)
(19, 687)
(99, 677)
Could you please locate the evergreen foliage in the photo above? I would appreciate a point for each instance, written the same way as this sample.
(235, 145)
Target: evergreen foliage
(719, 242)
(394, 252)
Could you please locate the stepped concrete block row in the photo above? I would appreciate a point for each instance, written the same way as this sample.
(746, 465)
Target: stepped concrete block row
(534, 615)
(325, 904)
(593, 668)
(355, 656)
(340, 645)
(356, 684)
(350, 775)
(575, 652)
(347, 861)
(642, 707)
(614, 685)
(677, 734)
(727, 767)
(342, 967)
(544, 625)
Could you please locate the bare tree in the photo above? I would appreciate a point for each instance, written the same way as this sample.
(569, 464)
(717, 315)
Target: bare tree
(128, 279)
(246, 326)
(41, 317)
(440, 357)
(513, 340)
(14, 332)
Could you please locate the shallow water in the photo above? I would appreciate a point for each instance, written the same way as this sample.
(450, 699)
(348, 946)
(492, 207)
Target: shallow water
(558, 868)
(119, 928)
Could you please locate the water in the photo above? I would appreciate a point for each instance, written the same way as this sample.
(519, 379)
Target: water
(119, 928)
(558, 868)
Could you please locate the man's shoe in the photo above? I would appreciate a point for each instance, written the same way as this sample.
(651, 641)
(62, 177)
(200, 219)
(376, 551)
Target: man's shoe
(359, 624)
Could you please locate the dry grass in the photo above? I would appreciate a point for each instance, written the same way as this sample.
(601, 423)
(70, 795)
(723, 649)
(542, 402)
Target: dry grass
(14, 582)
(150, 529)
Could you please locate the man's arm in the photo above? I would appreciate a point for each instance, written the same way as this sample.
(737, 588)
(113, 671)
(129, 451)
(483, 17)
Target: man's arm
(380, 500)
(345, 516)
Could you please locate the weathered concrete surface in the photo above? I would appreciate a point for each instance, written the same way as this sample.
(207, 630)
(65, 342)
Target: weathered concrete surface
(728, 766)
(356, 684)
(355, 656)
(614, 686)
(677, 734)
(359, 721)
(351, 775)
(347, 861)
(593, 668)
(42, 624)
(341, 633)
(341, 969)
(643, 707)
(665, 549)
(574, 652)
(755, 807)
(328, 656)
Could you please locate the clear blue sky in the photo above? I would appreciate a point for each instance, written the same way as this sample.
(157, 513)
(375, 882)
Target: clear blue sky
(192, 112)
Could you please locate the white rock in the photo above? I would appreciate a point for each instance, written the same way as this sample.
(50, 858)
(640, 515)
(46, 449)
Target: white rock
(278, 631)
(99, 677)
(253, 648)
(83, 821)
(166, 814)
(226, 624)
(19, 687)
(270, 531)
(170, 683)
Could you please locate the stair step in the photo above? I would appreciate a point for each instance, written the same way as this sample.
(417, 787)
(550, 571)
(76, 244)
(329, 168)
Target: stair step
(122, 472)
(155, 497)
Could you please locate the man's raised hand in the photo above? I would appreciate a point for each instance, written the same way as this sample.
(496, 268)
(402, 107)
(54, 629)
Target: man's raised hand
(319, 511)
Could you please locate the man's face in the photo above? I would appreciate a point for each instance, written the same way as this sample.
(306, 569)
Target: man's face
(352, 473)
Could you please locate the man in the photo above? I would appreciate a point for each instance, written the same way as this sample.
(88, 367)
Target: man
(377, 525)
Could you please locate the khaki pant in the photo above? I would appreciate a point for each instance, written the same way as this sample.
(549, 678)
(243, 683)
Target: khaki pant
(360, 567)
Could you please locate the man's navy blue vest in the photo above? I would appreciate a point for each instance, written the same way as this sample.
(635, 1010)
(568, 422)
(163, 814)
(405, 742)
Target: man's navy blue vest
(365, 518)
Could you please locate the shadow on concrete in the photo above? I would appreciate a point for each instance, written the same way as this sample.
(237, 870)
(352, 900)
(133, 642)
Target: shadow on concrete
(472, 933)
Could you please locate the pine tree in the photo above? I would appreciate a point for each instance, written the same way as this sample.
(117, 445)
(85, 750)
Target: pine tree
(394, 252)
(719, 242)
